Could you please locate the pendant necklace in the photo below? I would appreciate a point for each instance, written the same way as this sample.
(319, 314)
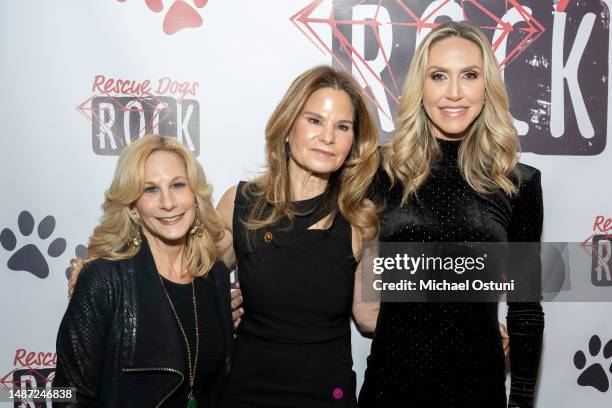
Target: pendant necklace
(191, 401)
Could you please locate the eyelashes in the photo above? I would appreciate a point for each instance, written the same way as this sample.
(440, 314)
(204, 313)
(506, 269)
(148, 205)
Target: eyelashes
(154, 189)
(439, 76)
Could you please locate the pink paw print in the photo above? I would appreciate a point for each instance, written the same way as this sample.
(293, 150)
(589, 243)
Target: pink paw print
(180, 14)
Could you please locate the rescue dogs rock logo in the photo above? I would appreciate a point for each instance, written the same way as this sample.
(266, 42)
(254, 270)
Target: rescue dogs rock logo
(598, 246)
(123, 110)
(553, 55)
(31, 370)
(179, 15)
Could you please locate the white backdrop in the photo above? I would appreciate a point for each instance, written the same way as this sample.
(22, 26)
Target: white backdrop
(243, 56)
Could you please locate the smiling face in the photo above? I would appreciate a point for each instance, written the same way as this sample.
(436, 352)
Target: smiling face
(322, 135)
(167, 205)
(454, 87)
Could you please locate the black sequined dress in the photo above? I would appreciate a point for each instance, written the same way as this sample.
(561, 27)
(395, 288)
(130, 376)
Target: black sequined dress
(450, 354)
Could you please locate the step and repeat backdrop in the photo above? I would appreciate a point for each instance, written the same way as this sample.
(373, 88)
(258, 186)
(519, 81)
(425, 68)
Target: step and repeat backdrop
(81, 79)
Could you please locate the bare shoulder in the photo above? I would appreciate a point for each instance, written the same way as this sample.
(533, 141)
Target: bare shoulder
(226, 206)
(228, 197)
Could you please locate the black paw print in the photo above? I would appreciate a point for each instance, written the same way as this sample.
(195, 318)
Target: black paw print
(594, 375)
(29, 257)
(79, 252)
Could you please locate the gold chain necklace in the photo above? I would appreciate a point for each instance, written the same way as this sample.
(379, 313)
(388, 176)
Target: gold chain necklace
(191, 402)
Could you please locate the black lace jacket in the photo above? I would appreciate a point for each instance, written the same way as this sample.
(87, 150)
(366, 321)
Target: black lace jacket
(115, 306)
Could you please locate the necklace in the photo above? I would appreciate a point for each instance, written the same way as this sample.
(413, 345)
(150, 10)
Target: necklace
(191, 402)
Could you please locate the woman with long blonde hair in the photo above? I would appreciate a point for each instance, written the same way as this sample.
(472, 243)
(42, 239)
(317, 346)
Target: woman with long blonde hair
(451, 174)
(149, 321)
(295, 233)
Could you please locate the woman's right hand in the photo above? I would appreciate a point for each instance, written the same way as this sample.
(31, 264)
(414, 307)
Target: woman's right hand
(237, 310)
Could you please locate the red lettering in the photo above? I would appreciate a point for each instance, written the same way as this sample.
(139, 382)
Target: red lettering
(163, 85)
(598, 220)
(168, 86)
(184, 89)
(194, 86)
(123, 87)
(19, 354)
(104, 85)
(108, 85)
(41, 359)
(47, 359)
(607, 224)
(98, 80)
(30, 358)
(146, 87)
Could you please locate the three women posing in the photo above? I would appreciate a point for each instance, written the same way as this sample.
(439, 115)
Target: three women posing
(451, 173)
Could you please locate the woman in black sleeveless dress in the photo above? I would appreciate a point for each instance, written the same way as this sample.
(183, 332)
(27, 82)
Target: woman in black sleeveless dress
(296, 233)
(451, 175)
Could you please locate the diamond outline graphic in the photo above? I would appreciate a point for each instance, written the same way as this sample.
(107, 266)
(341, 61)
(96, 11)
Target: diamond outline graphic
(91, 114)
(589, 247)
(305, 22)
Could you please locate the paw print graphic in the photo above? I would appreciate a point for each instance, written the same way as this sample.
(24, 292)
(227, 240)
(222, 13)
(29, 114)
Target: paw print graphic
(594, 375)
(180, 15)
(29, 257)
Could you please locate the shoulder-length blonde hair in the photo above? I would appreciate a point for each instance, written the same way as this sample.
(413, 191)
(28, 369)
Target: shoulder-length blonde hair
(347, 187)
(118, 223)
(489, 152)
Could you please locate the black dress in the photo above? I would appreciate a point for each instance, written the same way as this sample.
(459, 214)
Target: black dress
(293, 347)
(450, 354)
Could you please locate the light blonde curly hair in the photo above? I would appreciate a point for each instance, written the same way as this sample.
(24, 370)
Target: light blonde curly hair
(118, 223)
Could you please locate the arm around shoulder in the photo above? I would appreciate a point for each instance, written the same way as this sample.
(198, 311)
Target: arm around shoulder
(225, 208)
(365, 312)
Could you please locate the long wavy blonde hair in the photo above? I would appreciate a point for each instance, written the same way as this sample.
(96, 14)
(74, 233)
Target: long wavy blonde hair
(489, 152)
(347, 187)
(118, 223)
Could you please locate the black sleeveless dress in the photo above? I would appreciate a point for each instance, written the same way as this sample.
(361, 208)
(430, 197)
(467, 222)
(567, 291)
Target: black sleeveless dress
(293, 347)
(450, 354)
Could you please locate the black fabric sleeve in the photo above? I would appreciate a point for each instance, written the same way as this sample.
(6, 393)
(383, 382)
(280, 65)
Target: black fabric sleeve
(82, 337)
(525, 315)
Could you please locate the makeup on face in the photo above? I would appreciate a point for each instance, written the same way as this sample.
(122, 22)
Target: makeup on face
(167, 205)
(454, 87)
(322, 135)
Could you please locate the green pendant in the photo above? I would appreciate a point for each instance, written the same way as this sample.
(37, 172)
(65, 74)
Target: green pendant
(192, 403)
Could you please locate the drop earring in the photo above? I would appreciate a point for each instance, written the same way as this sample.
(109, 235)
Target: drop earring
(196, 227)
(134, 238)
